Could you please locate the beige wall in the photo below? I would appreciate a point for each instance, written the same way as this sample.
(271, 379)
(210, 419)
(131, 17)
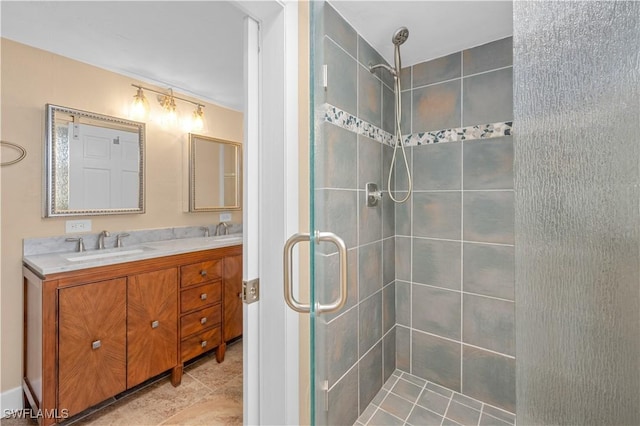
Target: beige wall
(30, 79)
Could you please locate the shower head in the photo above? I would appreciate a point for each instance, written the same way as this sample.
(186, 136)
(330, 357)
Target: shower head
(400, 36)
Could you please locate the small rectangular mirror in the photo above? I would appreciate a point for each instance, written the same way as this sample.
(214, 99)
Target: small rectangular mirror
(214, 174)
(94, 164)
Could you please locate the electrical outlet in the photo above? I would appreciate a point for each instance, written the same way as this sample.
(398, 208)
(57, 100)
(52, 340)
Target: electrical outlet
(77, 226)
(225, 217)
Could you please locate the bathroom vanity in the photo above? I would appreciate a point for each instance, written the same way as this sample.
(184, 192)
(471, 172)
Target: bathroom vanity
(102, 322)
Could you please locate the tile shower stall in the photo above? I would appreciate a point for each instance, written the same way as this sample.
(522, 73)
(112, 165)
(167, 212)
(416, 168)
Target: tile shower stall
(431, 281)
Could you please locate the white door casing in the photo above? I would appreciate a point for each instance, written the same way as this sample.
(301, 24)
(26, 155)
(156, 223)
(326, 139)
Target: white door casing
(270, 209)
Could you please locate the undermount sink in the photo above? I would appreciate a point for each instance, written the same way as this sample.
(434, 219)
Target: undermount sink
(104, 254)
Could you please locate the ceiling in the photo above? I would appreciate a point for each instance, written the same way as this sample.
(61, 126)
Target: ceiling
(195, 47)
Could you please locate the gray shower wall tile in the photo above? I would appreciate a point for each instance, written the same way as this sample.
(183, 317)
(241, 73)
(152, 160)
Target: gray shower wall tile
(489, 217)
(342, 345)
(388, 261)
(497, 54)
(369, 162)
(437, 263)
(437, 70)
(339, 30)
(370, 223)
(488, 164)
(387, 155)
(370, 322)
(370, 375)
(436, 311)
(369, 97)
(388, 307)
(488, 98)
(368, 56)
(489, 323)
(389, 348)
(339, 214)
(403, 258)
(437, 166)
(490, 378)
(437, 107)
(403, 303)
(437, 215)
(489, 270)
(342, 77)
(400, 169)
(436, 360)
(388, 216)
(403, 213)
(406, 113)
(336, 154)
(328, 273)
(343, 400)
(403, 348)
(406, 78)
(369, 270)
(388, 110)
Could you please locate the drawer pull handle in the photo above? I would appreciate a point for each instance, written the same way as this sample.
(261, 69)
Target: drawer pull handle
(95, 345)
(203, 320)
(154, 324)
(240, 295)
(203, 273)
(203, 296)
(203, 343)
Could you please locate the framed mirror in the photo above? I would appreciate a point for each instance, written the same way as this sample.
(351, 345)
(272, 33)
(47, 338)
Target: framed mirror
(94, 163)
(214, 174)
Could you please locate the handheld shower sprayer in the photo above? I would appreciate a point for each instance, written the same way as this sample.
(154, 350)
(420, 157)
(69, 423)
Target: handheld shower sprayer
(399, 36)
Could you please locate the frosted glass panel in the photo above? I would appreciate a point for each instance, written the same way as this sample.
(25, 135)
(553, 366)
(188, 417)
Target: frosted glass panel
(577, 162)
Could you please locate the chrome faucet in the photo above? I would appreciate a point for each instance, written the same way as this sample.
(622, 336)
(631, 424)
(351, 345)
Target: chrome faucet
(206, 230)
(101, 239)
(224, 227)
(80, 243)
(119, 238)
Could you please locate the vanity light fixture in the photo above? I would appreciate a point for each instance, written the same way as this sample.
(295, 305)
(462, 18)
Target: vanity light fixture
(140, 107)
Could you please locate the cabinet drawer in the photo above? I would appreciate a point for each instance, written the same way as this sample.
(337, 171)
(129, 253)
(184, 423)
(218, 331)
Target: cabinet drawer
(200, 320)
(200, 296)
(200, 343)
(198, 273)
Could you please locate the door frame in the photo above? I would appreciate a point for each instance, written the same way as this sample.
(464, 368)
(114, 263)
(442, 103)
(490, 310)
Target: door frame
(270, 210)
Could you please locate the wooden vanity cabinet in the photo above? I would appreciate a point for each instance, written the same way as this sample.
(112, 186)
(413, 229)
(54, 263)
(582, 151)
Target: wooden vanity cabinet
(93, 333)
(92, 343)
(232, 297)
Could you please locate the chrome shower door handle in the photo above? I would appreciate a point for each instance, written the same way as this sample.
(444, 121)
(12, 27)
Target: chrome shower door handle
(342, 254)
(288, 284)
(303, 308)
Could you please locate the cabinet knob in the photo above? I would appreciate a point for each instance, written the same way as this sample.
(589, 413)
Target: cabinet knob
(154, 324)
(203, 343)
(203, 272)
(95, 345)
(203, 296)
(203, 320)
(240, 295)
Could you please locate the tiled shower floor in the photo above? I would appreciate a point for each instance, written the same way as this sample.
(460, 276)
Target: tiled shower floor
(409, 400)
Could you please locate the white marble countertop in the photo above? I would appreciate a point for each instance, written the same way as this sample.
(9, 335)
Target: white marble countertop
(45, 264)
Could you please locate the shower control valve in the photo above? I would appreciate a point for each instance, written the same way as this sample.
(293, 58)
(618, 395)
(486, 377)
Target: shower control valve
(374, 195)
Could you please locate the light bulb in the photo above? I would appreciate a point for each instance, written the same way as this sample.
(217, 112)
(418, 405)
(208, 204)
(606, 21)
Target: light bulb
(139, 106)
(198, 119)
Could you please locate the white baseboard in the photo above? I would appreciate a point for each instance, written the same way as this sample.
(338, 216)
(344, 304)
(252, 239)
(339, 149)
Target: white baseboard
(11, 400)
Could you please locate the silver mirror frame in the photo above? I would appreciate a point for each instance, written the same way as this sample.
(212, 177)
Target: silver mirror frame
(192, 175)
(50, 209)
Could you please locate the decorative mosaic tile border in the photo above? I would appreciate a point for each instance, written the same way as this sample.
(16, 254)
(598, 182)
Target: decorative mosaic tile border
(354, 124)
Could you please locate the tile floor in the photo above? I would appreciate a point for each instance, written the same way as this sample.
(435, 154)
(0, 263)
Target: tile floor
(408, 400)
(210, 394)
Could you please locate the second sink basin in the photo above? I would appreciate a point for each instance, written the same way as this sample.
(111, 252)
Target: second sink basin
(103, 254)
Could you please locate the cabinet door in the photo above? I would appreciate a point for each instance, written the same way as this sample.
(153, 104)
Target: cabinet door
(92, 343)
(152, 329)
(232, 297)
